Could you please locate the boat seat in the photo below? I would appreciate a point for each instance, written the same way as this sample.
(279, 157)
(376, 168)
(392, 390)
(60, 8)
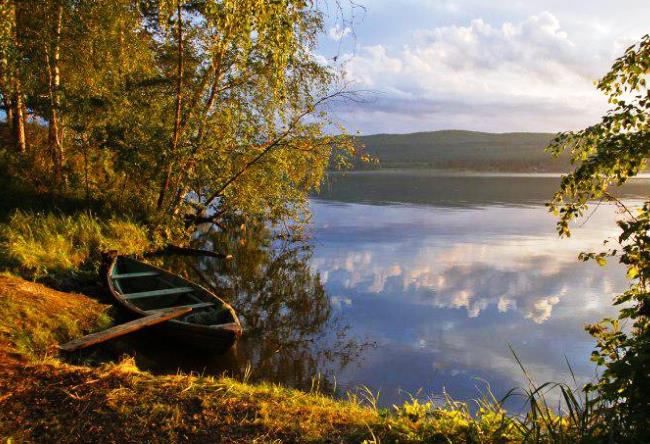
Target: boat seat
(154, 293)
(192, 306)
(135, 275)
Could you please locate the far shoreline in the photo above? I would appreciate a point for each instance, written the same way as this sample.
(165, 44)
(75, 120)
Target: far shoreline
(459, 173)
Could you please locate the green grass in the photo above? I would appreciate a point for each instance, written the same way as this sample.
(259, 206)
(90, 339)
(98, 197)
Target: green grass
(41, 244)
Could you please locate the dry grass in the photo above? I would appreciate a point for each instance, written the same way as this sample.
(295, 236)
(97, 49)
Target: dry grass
(43, 399)
(119, 403)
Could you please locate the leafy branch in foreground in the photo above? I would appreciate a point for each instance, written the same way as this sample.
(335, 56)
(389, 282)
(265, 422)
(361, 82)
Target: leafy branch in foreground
(609, 153)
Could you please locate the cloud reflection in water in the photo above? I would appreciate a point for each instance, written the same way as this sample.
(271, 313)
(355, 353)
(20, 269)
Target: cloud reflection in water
(447, 289)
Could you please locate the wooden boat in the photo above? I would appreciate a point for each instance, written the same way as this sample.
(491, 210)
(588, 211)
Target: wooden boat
(143, 289)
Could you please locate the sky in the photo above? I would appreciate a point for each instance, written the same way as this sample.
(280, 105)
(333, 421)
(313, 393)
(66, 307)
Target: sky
(496, 65)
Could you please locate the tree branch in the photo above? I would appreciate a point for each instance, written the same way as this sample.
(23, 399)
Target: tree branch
(269, 146)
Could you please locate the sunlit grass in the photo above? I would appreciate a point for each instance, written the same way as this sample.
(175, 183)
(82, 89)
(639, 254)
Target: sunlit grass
(38, 244)
(36, 319)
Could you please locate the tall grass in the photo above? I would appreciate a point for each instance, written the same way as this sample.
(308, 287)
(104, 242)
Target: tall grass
(575, 420)
(38, 244)
(553, 413)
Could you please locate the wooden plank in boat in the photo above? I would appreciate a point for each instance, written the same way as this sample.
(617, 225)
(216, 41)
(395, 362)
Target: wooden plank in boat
(123, 329)
(135, 275)
(192, 306)
(152, 293)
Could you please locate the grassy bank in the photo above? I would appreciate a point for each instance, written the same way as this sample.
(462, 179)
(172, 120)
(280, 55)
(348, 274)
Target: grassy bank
(43, 398)
(64, 250)
(47, 398)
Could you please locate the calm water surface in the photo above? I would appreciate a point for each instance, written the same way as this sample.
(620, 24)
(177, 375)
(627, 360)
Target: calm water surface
(417, 283)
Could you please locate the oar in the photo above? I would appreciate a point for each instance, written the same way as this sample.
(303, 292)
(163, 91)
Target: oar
(123, 329)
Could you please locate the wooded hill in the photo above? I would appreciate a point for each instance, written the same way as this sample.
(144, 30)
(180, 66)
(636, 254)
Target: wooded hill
(464, 150)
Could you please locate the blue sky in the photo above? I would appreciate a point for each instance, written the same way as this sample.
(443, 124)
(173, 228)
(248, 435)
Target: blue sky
(475, 64)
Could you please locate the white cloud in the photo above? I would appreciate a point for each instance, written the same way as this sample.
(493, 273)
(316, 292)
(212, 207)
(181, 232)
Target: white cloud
(509, 75)
(529, 284)
(542, 309)
(338, 32)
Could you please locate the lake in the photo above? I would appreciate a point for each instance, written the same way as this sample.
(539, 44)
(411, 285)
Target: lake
(415, 283)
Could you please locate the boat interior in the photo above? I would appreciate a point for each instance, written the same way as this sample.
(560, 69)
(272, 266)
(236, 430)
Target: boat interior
(151, 290)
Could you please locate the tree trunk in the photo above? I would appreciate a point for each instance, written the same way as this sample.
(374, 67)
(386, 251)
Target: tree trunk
(180, 188)
(54, 133)
(18, 116)
(10, 84)
(164, 188)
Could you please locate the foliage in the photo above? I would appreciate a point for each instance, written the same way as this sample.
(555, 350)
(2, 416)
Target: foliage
(161, 108)
(610, 152)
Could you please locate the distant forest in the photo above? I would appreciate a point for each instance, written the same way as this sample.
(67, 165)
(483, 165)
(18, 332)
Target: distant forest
(463, 150)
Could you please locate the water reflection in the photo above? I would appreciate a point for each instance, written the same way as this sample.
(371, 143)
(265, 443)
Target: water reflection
(450, 189)
(463, 277)
(442, 282)
(291, 333)
(447, 289)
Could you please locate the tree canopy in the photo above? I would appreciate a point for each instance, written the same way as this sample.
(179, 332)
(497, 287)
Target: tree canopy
(163, 108)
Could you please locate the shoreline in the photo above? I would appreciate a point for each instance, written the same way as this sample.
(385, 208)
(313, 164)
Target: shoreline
(423, 172)
(46, 399)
